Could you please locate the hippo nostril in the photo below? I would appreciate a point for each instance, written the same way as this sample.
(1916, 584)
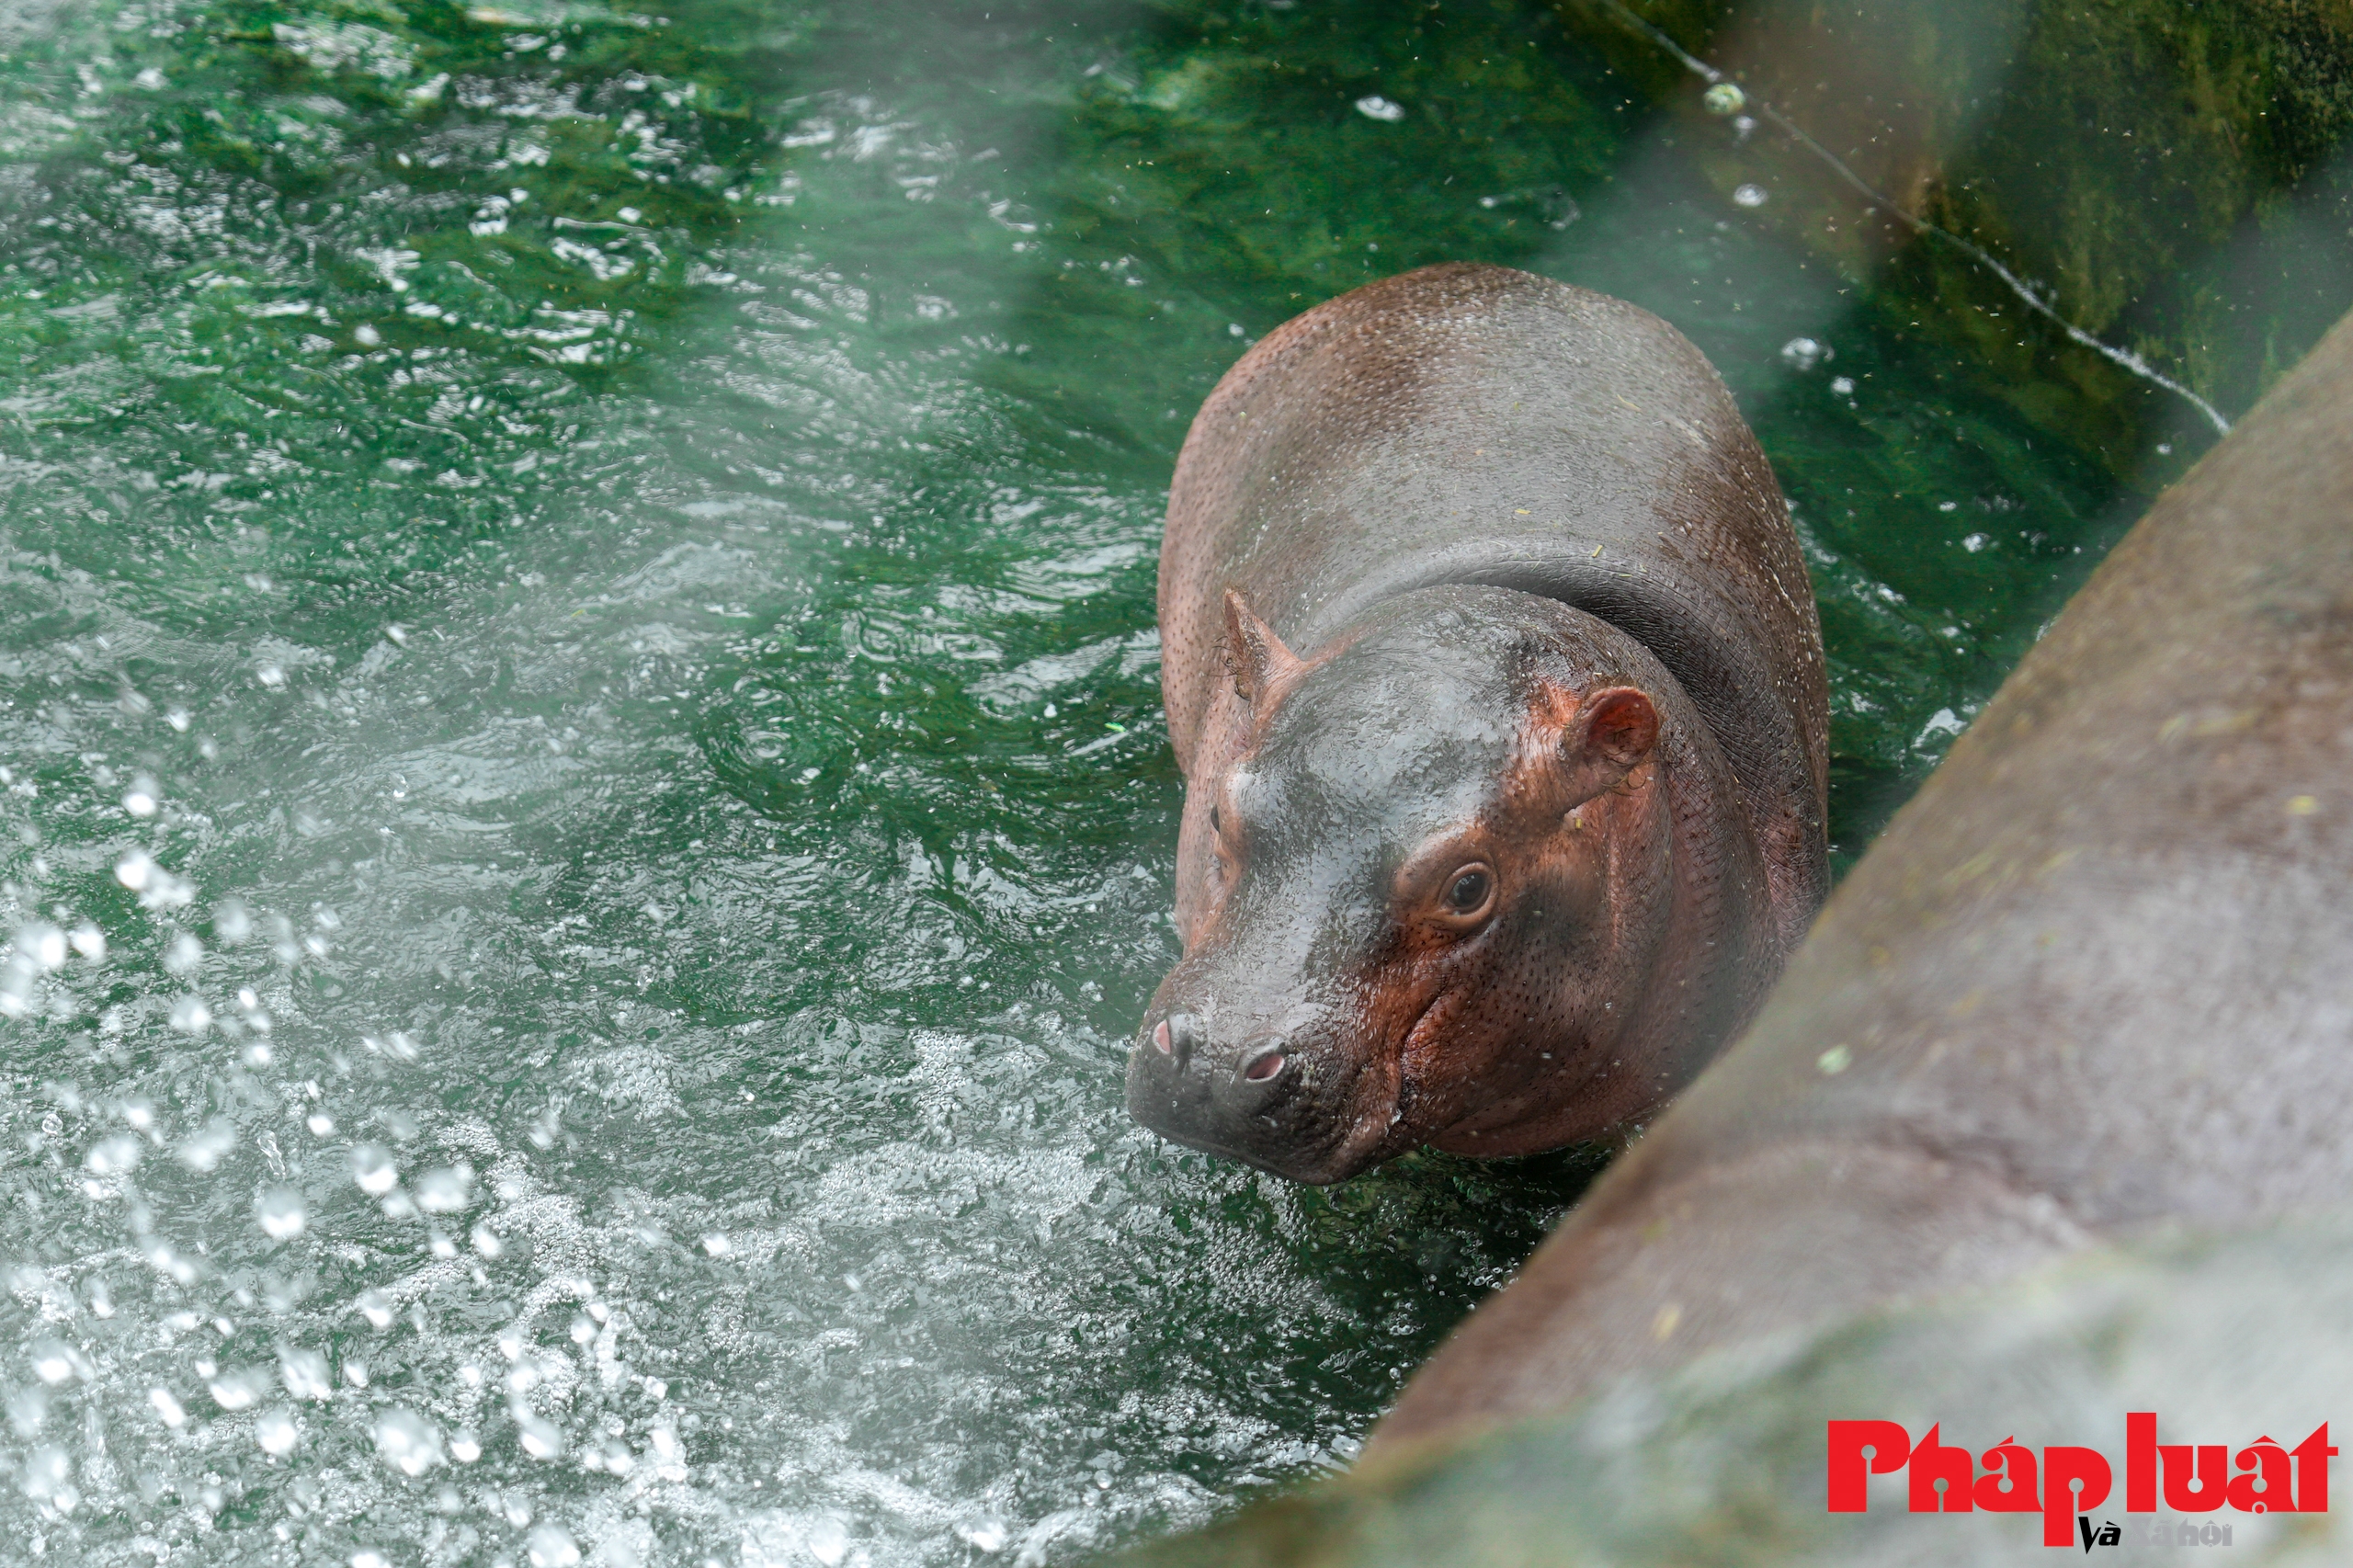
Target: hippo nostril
(1264, 1066)
(1173, 1038)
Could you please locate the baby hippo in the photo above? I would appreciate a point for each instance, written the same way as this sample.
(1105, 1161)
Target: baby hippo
(1491, 665)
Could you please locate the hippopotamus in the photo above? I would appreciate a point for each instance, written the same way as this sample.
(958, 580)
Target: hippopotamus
(2094, 980)
(1495, 674)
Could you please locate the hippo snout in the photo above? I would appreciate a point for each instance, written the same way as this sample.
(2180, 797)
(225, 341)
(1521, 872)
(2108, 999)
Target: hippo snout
(1250, 1099)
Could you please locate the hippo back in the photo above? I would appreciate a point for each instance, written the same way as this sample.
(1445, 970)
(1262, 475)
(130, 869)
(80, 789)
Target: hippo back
(1467, 424)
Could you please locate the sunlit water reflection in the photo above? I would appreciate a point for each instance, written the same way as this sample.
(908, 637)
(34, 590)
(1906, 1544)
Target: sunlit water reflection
(586, 813)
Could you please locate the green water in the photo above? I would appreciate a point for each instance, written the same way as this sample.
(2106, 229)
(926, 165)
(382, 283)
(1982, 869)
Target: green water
(597, 569)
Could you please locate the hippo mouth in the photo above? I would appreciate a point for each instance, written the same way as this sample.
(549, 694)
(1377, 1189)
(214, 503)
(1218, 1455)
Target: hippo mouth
(1283, 1134)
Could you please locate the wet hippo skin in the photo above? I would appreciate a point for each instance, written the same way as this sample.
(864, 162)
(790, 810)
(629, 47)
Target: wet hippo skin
(1492, 664)
(2096, 978)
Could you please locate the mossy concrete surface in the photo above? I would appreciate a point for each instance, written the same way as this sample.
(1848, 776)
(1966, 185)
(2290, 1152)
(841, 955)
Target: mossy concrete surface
(1722, 1463)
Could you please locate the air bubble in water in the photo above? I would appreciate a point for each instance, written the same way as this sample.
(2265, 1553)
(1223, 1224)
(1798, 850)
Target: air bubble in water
(372, 1167)
(190, 1016)
(304, 1373)
(487, 1243)
(551, 1546)
(89, 941)
(166, 1406)
(1748, 196)
(275, 1430)
(1723, 98)
(282, 1213)
(113, 1156)
(183, 953)
(1374, 106)
(445, 1190)
(369, 1557)
(135, 870)
(465, 1447)
(407, 1441)
(142, 800)
(376, 1307)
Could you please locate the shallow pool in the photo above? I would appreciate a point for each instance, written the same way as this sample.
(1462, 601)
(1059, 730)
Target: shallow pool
(583, 802)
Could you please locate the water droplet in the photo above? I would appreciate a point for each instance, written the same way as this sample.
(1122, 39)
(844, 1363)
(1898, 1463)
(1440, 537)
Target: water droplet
(372, 1167)
(202, 1151)
(45, 945)
(1803, 352)
(551, 1546)
(445, 1190)
(1748, 196)
(541, 1439)
(47, 1478)
(407, 1441)
(282, 1213)
(981, 1534)
(27, 1409)
(231, 923)
(1372, 106)
(275, 1430)
(113, 1156)
(827, 1540)
(304, 1373)
(238, 1389)
(54, 1362)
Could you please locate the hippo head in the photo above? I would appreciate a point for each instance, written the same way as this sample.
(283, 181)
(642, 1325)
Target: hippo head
(1431, 888)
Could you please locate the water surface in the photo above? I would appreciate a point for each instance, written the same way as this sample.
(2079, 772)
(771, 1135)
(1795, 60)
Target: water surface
(586, 810)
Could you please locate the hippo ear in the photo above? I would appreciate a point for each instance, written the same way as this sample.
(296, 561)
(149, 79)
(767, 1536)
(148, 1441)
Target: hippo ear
(1607, 736)
(1253, 652)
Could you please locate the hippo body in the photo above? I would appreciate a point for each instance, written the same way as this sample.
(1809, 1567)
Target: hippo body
(2094, 980)
(1493, 671)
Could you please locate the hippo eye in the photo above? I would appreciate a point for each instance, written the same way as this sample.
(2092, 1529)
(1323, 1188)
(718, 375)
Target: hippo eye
(1469, 892)
(1214, 826)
